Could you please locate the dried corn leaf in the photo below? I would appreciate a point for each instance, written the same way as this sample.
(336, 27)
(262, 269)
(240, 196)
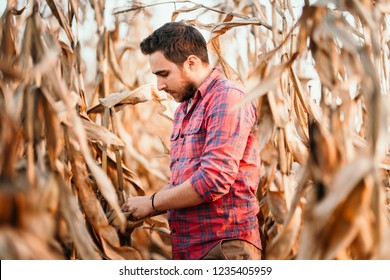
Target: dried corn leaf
(277, 203)
(54, 133)
(230, 73)
(76, 224)
(137, 155)
(10, 141)
(282, 244)
(184, 10)
(307, 103)
(92, 207)
(59, 14)
(100, 134)
(340, 232)
(105, 186)
(8, 44)
(345, 180)
(322, 151)
(295, 145)
(117, 100)
(266, 124)
(161, 228)
(128, 174)
(22, 245)
(225, 26)
(112, 248)
(269, 83)
(114, 63)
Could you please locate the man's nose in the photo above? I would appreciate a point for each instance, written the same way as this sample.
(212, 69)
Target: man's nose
(161, 85)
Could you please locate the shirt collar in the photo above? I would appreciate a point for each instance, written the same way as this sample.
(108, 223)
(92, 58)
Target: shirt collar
(203, 88)
(209, 82)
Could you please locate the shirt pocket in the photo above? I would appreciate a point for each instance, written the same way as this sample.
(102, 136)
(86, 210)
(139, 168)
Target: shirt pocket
(195, 137)
(176, 143)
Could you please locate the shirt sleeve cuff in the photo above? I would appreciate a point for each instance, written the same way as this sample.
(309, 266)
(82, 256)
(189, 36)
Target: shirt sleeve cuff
(198, 184)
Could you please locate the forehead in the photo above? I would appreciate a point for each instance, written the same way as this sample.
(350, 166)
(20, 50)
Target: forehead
(158, 63)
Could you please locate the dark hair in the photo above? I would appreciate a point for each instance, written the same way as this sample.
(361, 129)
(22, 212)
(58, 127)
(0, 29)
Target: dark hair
(177, 41)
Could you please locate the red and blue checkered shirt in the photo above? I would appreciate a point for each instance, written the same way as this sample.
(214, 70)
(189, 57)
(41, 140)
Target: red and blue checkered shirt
(214, 145)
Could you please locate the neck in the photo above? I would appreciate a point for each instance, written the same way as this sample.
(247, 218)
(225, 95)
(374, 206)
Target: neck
(203, 73)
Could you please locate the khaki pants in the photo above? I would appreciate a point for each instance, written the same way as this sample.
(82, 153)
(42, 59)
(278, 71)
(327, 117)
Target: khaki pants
(233, 250)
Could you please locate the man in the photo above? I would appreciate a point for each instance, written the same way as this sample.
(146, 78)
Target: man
(210, 198)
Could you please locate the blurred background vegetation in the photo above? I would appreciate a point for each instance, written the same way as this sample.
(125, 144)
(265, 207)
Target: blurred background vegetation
(82, 126)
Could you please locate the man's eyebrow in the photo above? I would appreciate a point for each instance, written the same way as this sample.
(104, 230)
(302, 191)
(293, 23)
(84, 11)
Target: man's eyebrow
(159, 72)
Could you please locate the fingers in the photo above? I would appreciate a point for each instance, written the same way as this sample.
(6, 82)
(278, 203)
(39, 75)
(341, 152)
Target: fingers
(127, 206)
(130, 210)
(138, 207)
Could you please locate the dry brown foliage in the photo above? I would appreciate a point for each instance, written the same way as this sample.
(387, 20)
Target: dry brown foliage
(73, 151)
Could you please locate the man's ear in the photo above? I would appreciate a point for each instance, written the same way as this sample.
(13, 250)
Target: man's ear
(193, 62)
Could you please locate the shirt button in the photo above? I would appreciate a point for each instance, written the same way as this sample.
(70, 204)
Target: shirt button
(177, 159)
(173, 230)
(181, 135)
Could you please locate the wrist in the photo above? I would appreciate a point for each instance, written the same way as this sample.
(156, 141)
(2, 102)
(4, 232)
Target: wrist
(152, 198)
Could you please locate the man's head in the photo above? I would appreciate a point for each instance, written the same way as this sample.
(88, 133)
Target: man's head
(177, 41)
(178, 57)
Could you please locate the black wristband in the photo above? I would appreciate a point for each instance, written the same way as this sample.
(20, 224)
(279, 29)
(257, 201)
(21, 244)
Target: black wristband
(152, 199)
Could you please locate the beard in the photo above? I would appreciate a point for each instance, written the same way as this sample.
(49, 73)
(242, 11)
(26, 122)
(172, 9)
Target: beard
(188, 92)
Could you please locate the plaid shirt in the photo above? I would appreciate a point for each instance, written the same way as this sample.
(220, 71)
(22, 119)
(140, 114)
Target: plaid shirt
(214, 145)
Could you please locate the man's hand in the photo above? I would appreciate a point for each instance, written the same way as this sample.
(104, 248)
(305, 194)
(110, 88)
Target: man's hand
(140, 205)
(180, 196)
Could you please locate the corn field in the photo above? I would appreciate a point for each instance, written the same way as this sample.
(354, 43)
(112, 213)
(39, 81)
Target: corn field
(80, 135)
